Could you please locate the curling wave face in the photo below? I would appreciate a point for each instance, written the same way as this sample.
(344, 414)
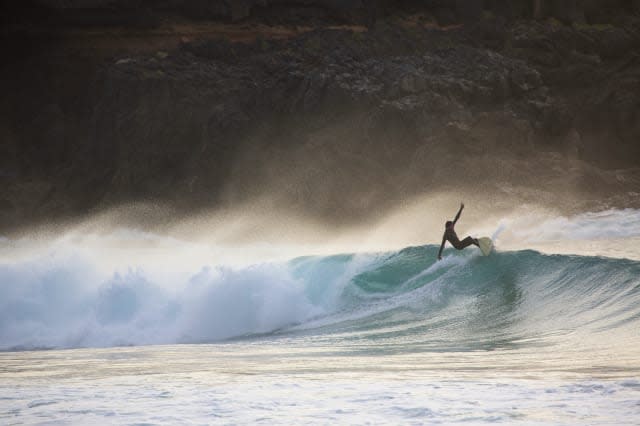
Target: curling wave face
(394, 301)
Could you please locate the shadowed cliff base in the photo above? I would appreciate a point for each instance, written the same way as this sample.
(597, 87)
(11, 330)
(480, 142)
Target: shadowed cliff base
(341, 115)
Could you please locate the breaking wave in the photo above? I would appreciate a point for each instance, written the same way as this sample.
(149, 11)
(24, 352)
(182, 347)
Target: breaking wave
(66, 298)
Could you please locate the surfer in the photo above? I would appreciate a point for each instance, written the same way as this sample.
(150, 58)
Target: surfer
(451, 236)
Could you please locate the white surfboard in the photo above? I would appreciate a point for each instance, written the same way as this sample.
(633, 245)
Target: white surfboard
(486, 245)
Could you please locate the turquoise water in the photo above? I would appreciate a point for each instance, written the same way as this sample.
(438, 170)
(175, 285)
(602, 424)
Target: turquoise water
(389, 337)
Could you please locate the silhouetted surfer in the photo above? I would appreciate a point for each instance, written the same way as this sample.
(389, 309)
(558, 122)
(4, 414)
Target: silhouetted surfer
(451, 236)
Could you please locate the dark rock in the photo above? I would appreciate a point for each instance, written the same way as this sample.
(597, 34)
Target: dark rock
(323, 117)
(6, 206)
(568, 11)
(503, 8)
(445, 16)
(613, 42)
(469, 11)
(524, 79)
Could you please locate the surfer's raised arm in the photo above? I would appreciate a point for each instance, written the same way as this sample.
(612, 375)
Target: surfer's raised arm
(459, 212)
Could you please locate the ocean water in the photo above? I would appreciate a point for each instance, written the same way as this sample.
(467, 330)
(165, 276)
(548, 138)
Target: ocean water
(386, 337)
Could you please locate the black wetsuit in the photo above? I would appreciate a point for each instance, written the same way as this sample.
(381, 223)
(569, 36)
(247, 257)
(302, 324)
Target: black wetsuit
(451, 236)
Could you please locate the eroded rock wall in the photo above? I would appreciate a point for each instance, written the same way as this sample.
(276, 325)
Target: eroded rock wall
(329, 121)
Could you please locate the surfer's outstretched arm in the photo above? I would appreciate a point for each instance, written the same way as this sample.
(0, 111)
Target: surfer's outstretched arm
(459, 213)
(444, 240)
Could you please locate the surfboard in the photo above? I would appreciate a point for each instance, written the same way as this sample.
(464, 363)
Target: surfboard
(486, 245)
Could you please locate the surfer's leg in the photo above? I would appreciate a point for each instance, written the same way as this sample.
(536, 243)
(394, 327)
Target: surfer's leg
(467, 242)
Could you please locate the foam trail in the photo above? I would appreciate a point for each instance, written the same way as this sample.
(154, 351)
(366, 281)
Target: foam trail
(612, 233)
(446, 263)
(501, 227)
(587, 226)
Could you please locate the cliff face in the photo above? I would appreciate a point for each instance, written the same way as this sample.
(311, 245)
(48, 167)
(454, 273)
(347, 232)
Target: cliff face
(333, 121)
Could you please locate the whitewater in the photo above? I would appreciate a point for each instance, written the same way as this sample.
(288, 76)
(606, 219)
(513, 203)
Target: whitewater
(131, 327)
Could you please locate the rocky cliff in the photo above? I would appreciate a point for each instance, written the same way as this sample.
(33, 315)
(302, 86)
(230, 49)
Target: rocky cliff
(333, 108)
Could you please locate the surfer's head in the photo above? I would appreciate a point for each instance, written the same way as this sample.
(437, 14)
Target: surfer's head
(448, 225)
